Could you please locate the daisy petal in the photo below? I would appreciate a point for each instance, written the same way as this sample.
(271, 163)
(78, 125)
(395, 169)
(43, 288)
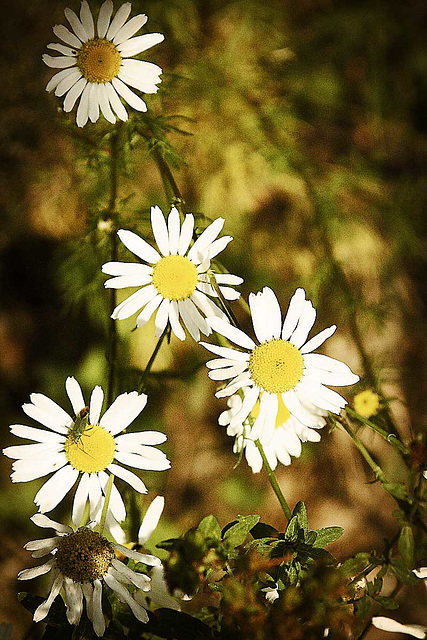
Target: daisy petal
(87, 19)
(173, 230)
(82, 115)
(119, 19)
(80, 499)
(125, 408)
(104, 104)
(292, 316)
(115, 102)
(146, 314)
(318, 340)
(186, 234)
(75, 394)
(46, 523)
(132, 304)
(56, 488)
(130, 28)
(151, 519)
(160, 230)
(205, 239)
(128, 476)
(65, 35)
(138, 246)
(128, 95)
(104, 17)
(231, 333)
(59, 62)
(174, 320)
(73, 94)
(76, 25)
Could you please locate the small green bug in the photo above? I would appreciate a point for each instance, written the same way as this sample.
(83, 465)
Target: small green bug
(81, 422)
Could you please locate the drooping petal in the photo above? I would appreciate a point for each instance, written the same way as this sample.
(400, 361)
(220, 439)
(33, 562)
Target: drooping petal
(73, 94)
(80, 499)
(128, 95)
(56, 488)
(82, 115)
(73, 600)
(128, 476)
(45, 522)
(42, 610)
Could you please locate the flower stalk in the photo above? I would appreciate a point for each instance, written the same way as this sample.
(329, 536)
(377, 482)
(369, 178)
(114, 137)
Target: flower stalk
(273, 481)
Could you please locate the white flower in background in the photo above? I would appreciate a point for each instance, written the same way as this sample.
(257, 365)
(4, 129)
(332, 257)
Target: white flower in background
(82, 561)
(282, 443)
(271, 593)
(159, 592)
(86, 445)
(176, 281)
(96, 64)
(387, 624)
(282, 366)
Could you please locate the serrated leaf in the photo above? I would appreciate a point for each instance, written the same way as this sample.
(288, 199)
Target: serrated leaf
(310, 538)
(291, 533)
(402, 573)
(300, 512)
(209, 528)
(386, 602)
(327, 535)
(236, 535)
(353, 566)
(406, 546)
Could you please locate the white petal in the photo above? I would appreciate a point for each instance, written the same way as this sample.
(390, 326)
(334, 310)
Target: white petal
(134, 303)
(174, 320)
(115, 102)
(305, 323)
(75, 394)
(32, 451)
(292, 316)
(146, 313)
(97, 617)
(141, 75)
(116, 505)
(104, 16)
(128, 476)
(128, 95)
(68, 81)
(130, 28)
(227, 372)
(34, 572)
(325, 363)
(49, 406)
(228, 278)
(56, 488)
(387, 624)
(188, 320)
(162, 317)
(218, 245)
(126, 269)
(73, 94)
(244, 380)
(30, 469)
(46, 544)
(318, 340)
(59, 62)
(266, 314)
(231, 333)
(42, 611)
(125, 408)
(76, 25)
(93, 102)
(205, 239)
(82, 115)
(186, 234)
(95, 497)
(140, 462)
(66, 36)
(160, 230)
(39, 435)
(58, 77)
(87, 19)
(122, 282)
(95, 407)
(119, 20)
(123, 574)
(174, 229)
(146, 558)
(266, 418)
(104, 104)
(293, 403)
(226, 352)
(46, 523)
(207, 306)
(62, 48)
(80, 499)
(196, 317)
(151, 519)
(138, 246)
(73, 600)
(138, 611)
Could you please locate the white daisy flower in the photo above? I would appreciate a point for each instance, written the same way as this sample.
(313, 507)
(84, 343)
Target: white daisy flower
(282, 366)
(96, 64)
(388, 624)
(83, 562)
(176, 281)
(86, 446)
(279, 444)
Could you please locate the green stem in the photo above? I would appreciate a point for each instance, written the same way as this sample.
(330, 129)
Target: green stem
(151, 361)
(390, 437)
(112, 327)
(379, 474)
(275, 485)
(109, 487)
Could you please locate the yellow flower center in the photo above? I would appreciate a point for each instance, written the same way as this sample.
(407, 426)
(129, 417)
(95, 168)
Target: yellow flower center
(175, 277)
(283, 413)
(276, 366)
(366, 403)
(90, 451)
(99, 60)
(84, 555)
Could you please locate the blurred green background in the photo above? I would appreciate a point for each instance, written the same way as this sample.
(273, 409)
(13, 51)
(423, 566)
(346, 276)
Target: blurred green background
(307, 133)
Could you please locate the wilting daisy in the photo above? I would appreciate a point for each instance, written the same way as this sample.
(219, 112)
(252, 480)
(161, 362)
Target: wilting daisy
(278, 444)
(177, 281)
(86, 446)
(96, 64)
(83, 562)
(282, 366)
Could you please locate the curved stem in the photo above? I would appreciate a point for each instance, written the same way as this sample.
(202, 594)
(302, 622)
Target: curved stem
(151, 361)
(379, 473)
(112, 327)
(275, 485)
(390, 437)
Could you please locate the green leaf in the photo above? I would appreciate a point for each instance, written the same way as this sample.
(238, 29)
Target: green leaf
(310, 538)
(300, 512)
(327, 535)
(402, 573)
(291, 533)
(176, 625)
(386, 602)
(397, 490)
(263, 530)
(406, 546)
(236, 535)
(209, 528)
(354, 566)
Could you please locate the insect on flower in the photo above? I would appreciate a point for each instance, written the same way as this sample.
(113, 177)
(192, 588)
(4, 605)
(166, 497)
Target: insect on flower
(79, 426)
